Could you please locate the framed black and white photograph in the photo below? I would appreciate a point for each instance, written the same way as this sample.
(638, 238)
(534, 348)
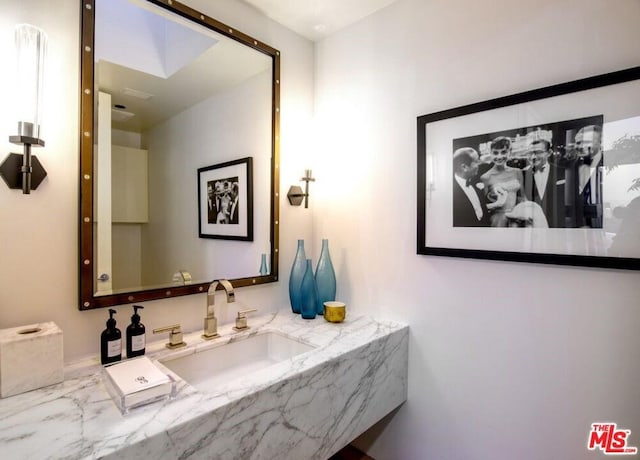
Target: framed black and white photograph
(225, 200)
(551, 175)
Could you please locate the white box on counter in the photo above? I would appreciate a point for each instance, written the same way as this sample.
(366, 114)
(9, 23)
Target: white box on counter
(31, 357)
(136, 382)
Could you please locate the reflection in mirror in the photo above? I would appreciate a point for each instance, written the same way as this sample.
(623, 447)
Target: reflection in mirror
(172, 96)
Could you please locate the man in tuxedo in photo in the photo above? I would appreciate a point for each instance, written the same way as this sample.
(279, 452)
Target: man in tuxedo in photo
(212, 208)
(585, 177)
(544, 184)
(469, 203)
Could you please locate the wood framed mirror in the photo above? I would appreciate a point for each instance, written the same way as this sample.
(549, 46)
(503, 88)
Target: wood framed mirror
(167, 91)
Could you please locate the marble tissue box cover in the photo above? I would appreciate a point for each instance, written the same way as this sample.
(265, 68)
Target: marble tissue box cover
(30, 357)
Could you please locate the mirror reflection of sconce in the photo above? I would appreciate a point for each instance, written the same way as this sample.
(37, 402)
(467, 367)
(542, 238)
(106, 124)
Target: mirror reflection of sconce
(25, 171)
(182, 278)
(295, 194)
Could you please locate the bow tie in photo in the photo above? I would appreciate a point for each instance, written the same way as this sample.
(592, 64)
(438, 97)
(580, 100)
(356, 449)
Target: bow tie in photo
(586, 160)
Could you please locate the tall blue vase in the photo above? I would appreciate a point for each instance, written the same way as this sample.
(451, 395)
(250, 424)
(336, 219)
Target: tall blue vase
(325, 278)
(309, 300)
(263, 265)
(295, 279)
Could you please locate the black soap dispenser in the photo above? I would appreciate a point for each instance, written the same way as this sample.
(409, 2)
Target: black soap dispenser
(111, 341)
(136, 341)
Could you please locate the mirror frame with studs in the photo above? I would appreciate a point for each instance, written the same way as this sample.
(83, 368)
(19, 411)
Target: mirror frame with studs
(88, 299)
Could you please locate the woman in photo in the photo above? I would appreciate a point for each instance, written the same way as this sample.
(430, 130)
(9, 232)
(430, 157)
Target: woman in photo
(225, 204)
(503, 184)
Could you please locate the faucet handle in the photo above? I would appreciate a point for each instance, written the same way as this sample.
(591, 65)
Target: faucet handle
(241, 319)
(175, 336)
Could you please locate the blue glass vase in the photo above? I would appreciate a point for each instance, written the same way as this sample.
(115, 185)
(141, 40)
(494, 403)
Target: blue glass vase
(295, 279)
(325, 278)
(309, 299)
(263, 265)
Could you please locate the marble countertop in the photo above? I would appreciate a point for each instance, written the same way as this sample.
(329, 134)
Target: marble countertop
(78, 419)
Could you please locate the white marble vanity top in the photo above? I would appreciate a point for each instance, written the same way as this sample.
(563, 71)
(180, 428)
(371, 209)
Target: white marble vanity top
(314, 403)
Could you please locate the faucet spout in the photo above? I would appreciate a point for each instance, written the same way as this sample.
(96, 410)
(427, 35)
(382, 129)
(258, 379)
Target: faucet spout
(210, 321)
(211, 295)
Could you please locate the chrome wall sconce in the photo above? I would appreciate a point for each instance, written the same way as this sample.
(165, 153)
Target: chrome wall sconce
(295, 194)
(24, 171)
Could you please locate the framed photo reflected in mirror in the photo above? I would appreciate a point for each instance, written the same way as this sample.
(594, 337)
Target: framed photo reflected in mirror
(225, 200)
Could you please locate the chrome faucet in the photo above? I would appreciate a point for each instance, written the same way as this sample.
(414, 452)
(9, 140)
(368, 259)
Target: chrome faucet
(210, 321)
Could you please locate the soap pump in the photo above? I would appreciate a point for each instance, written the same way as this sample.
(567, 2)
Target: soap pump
(136, 341)
(111, 341)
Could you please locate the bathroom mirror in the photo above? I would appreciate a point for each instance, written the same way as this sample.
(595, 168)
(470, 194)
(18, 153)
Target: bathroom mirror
(179, 117)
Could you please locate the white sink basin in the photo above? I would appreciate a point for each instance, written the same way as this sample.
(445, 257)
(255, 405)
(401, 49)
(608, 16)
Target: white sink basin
(209, 368)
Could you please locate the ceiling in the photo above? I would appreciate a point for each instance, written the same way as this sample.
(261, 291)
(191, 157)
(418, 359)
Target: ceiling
(316, 19)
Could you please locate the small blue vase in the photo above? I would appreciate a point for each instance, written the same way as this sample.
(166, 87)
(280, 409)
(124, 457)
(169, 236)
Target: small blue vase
(295, 279)
(263, 265)
(325, 278)
(309, 300)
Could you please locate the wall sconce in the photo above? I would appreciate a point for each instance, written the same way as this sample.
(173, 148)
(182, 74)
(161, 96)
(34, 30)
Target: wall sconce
(25, 171)
(295, 194)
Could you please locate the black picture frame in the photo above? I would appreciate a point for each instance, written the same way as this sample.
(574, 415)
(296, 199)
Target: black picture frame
(225, 200)
(613, 96)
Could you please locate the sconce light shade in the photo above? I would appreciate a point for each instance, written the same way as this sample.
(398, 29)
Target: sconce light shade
(31, 49)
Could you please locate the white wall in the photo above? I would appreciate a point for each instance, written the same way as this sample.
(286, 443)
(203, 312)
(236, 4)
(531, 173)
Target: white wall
(38, 232)
(507, 360)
